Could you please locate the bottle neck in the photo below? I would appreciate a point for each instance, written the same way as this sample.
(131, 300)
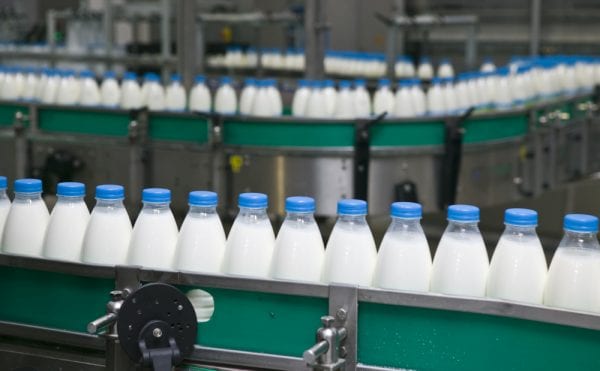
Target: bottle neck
(405, 224)
(352, 219)
(455, 226)
(3, 195)
(70, 199)
(301, 218)
(251, 214)
(28, 195)
(580, 239)
(156, 206)
(520, 231)
(202, 211)
(112, 203)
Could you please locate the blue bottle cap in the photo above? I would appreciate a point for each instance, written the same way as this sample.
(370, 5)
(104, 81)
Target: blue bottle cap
(463, 213)
(406, 83)
(27, 185)
(203, 198)
(3, 182)
(360, 83)
(384, 82)
(175, 77)
(250, 81)
(521, 217)
(110, 192)
(581, 223)
(152, 77)
(407, 210)
(129, 76)
(436, 81)
(225, 80)
(86, 74)
(70, 189)
(344, 84)
(328, 83)
(352, 207)
(157, 195)
(200, 79)
(110, 75)
(253, 200)
(299, 204)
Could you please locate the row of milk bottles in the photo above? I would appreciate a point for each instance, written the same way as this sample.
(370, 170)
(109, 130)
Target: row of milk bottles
(517, 272)
(274, 59)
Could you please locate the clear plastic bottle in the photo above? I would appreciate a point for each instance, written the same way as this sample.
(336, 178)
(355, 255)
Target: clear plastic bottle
(90, 92)
(200, 99)
(418, 98)
(262, 104)
(460, 266)
(131, 93)
(488, 65)
(155, 93)
(299, 249)
(68, 222)
(154, 236)
(383, 99)
(247, 96)
(201, 243)
(503, 97)
(449, 96)
(300, 100)
(404, 259)
(175, 97)
(30, 85)
(225, 98)
(274, 98)
(27, 220)
(574, 275)
(445, 69)
(403, 102)
(344, 107)
(351, 255)
(316, 107)
(50, 90)
(249, 248)
(435, 98)
(330, 96)
(518, 267)
(108, 234)
(4, 204)
(362, 101)
(68, 89)
(110, 91)
(425, 69)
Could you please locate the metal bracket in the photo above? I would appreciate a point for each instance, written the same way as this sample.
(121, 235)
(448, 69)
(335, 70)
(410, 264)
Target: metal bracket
(343, 306)
(362, 155)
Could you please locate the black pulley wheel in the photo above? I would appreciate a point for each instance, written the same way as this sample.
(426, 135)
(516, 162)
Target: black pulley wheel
(157, 314)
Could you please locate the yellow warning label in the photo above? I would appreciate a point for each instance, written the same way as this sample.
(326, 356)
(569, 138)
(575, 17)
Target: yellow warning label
(236, 162)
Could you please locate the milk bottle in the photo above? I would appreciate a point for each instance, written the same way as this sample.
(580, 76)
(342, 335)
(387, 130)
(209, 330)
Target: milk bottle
(488, 65)
(19, 82)
(4, 204)
(316, 101)
(262, 104)
(462, 93)
(383, 99)
(574, 275)
(404, 260)
(460, 265)
(110, 92)
(518, 268)
(490, 82)
(30, 85)
(344, 106)
(27, 220)
(247, 96)
(445, 69)
(108, 234)
(155, 98)
(249, 248)
(362, 102)
(200, 99)
(50, 90)
(131, 94)
(403, 102)
(201, 243)
(300, 100)
(330, 96)
(225, 98)
(90, 92)
(41, 85)
(418, 98)
(274, 98)
(9, 86)
(449, 96)
(425, 69)
(68, 89)
(148, 76)
(154, 235)
(435, 98)
(351, 255)
(68, 222)
(503, 91)
(519, 87)
(299, 250)
(175, 96)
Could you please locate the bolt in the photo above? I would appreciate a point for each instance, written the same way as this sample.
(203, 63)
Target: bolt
(343, 352)
(180, 307)
(341, 314)
(157, 333)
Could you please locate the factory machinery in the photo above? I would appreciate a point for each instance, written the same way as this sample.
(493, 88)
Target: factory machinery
(84, 317)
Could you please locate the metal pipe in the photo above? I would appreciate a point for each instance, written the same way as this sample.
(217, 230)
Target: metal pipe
(165, 35)
(314, 25)
(536, 24)
(108, 27)
(186, 41)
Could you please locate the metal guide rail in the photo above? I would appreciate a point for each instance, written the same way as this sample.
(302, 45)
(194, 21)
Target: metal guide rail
(272, 324)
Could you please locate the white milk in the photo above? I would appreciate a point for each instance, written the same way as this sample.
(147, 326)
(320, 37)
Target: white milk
(247, 97)
(344, 107)
(10, 88)
(225, 98)
(200, 99)
(487, 65)
(351, 255)
(316, 106)
(463, 99)
(362, 101)
(450, 99)
(418, 98)
(435, 99)
(383, 99)
(299, 249)
(108, 234)
(504, 98)
(90, 92)
(131, 93)
(50, 88)
(68, 89)
(4, 206)
(27, 210)
(276, 103)
(155, 99)
(30, 86)
(66, 229)
(110, 92)
(175, 97)
(425, 69)
(404, 259)
(249, 248)
(403, 102)
(330, 96)
(41, 85)
(262, 101)
(445, 69)
(300, 100)
(154, 236)
(201, 243)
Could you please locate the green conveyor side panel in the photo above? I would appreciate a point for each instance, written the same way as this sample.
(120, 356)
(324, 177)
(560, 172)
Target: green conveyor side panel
(483, 129)
(288, 134)
(429, 339)
(55, 300)
(421, 133)
(262, 322)
(92, 122)
(8, 111)
(179, 128)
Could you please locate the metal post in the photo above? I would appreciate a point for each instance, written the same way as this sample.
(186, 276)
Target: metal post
(471, 47)
(315, 28)
(50, 32)
(165, 35)
(186, 41)
(536, 23)
(390, 58)
(108, 28)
